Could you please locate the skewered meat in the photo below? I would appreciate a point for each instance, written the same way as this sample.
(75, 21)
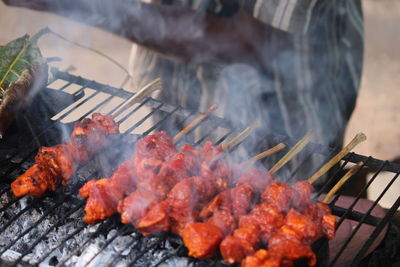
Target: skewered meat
(243, 242)
(186, 198)
(182, 195)
(180, 207)
(265, 218)
(236, 200)
(258, 179)
(153, 190)
(186, 193)
(293, 239)
(269, 217)
(104, 194)
(264, 258)
(223, 212)
(57, 164)
(279, 194)
(285, 242)
(210, 237)
(261, 222)
(320, 212)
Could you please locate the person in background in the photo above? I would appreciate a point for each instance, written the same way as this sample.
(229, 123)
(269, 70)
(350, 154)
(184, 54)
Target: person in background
(294, 65)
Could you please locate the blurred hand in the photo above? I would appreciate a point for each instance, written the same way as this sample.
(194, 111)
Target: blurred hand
(31, 4)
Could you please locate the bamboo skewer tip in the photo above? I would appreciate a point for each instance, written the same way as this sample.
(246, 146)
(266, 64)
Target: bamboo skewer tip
(360, 137)
(263, 154)
(302, 143)
(342, 181)
(195, 122)
(148, 89)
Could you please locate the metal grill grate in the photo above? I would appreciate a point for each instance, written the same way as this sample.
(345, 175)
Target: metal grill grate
(49, 230)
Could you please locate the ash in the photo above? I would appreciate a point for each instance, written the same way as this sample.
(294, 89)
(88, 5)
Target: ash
(49, 231)
(59, 240)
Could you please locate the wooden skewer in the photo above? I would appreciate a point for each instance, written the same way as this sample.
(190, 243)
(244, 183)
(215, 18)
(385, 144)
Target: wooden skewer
(241, 136)
(139, 96)
(360, 137)
(196, 121)
(264, 154)
(292, 152)
(237, 139)
(342, 181)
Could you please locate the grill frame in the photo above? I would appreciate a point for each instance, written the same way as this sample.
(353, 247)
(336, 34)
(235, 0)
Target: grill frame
(169, 109)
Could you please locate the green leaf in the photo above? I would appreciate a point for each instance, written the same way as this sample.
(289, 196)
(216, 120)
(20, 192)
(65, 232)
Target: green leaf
(17, 56)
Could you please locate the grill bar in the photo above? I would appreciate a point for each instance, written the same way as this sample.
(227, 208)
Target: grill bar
(9, 204)
(223, 138)
(355, 230)
(363, 190)
(377, 231)
(144, 118)
(124, 230)
(355, 215)
(15, 217)
(113, 260)
(331, 180)
(71, 235)
(107, 225)
(73, 210)
(158, 124)
(5, 189)
(48, 212)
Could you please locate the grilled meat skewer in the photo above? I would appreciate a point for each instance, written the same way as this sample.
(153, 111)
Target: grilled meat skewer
(103, 195)
(57, 164)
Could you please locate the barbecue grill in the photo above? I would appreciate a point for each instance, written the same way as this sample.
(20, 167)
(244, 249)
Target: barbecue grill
(50, 230)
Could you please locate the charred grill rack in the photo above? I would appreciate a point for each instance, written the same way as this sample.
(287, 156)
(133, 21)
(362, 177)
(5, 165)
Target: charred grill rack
(50, 230)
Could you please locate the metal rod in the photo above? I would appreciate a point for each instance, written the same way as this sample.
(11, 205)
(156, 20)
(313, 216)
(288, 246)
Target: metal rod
(15, 217)
(6, 188)
(107, 225)
(222, 139)
(332, 179)
(359, 195)
(10, 203)
(71, 109)
(162, 120)
(64, 86)
(139, 96)
(141, 254)
(353, 170)
(102, 103)
(169, 255)
(195, 123)
(125, 229)
(114, 258)
(355, 230)
(355, 216)
(144, 119)
(133, 111)
(202, 139)
(40, 238)
(341, 190)
(377, 231)
(71, 235)
(48, 212)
